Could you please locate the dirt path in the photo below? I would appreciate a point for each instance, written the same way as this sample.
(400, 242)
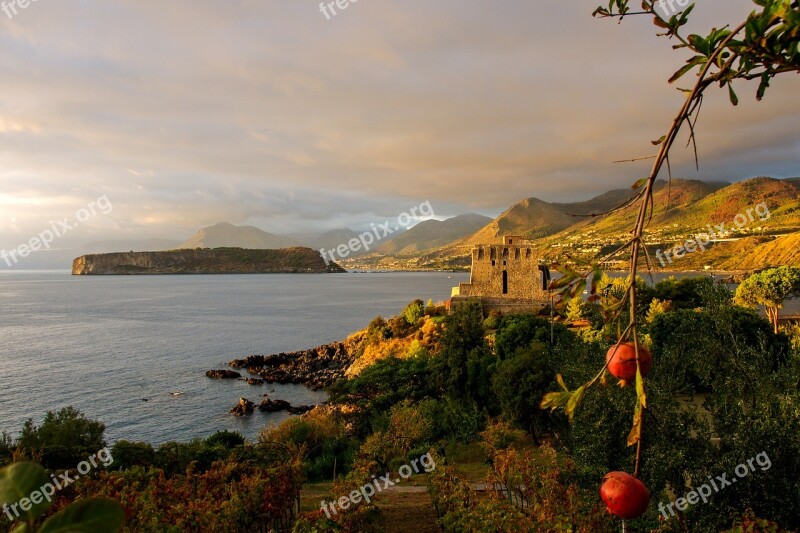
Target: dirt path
(407, 509)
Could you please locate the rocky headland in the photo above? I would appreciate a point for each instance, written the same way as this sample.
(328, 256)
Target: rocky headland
(206, 261)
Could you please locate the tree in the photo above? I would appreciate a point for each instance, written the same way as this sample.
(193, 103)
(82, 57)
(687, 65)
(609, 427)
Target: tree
(414, 311)
(770, 288)
(520, 382)
(64, 439)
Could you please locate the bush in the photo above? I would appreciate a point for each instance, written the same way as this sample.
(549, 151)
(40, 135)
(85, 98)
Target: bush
(128, 454)
(226, 439)
(64, 439)
(319, 437)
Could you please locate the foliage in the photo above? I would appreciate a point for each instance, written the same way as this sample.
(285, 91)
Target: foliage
(413, 312)
(684, 293)
(382, 385)
(6, 448)
(770, 288)
(452, 420)
(657, 308)
(230, 496)
(528, 497)
(519, 384)
(128, 454)
(21, 480)
(226, 439)
(64, 439)
(464, 363)
(749, 392)
(405, 430)
(493, 320)
(319, 438)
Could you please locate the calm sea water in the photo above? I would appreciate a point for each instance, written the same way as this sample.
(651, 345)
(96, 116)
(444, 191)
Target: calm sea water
(103, 344)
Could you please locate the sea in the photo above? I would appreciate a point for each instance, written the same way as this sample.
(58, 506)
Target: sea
(132, 351)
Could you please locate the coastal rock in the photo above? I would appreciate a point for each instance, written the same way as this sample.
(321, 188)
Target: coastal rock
(223, 374)
(300, 409)
(273, 406)
(316, 368)
(245, 407)
(254, 381)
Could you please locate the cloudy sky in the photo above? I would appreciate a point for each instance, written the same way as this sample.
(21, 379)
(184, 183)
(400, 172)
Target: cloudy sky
(264, 112)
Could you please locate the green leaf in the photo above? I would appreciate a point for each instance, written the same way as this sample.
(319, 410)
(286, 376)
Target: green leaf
(640, 394)
(19, 481)
(574, 402)
(94, 515)
(732, 94)
(560, 380)
(640, 182)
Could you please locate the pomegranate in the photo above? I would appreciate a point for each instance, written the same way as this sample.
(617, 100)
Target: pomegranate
(622, 361)
(624, 495)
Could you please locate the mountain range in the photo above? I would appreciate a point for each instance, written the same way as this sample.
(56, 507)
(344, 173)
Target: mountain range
(681, 208)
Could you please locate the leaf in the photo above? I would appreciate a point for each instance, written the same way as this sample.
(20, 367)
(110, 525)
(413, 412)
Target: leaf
(655, 143)
(732, 94)
(94, 515)
(554, 400)
(640, 394)
(560, 380)
(19, 481)
(640, 182)
(658, 21)
(636, 431)
(574, 402)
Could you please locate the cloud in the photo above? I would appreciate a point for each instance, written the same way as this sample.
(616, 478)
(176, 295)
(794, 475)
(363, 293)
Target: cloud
(191, 112)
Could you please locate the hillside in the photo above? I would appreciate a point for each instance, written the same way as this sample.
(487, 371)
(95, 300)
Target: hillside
(226, 235)
(531, 218)
(431, 234)
(750, 253)
(217, 261)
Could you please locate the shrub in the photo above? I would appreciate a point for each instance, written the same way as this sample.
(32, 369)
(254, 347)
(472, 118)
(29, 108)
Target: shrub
(319, 438)
(129, 454)
(226, 439)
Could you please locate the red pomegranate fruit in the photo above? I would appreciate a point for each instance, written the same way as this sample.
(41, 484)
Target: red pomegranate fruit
(624, 495)
(622, 361)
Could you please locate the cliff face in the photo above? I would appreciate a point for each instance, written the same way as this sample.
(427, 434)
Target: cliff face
(205, 261)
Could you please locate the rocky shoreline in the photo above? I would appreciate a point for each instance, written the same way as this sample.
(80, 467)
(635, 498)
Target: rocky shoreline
(315, 368)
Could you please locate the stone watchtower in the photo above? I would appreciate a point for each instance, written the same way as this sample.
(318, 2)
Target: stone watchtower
(506, 277)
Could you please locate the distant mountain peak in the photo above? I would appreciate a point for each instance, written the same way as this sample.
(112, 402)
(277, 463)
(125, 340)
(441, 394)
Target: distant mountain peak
(227, 235)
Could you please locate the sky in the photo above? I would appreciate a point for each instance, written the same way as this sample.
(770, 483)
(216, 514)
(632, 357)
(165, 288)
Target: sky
(185, 113)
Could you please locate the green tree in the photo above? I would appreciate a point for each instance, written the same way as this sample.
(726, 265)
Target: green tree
(520, 382)
(64, 439)
(770, 288)
(414, 311)
(463, 352)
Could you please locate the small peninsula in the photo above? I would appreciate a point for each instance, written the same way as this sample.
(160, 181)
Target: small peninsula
(206, 261)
